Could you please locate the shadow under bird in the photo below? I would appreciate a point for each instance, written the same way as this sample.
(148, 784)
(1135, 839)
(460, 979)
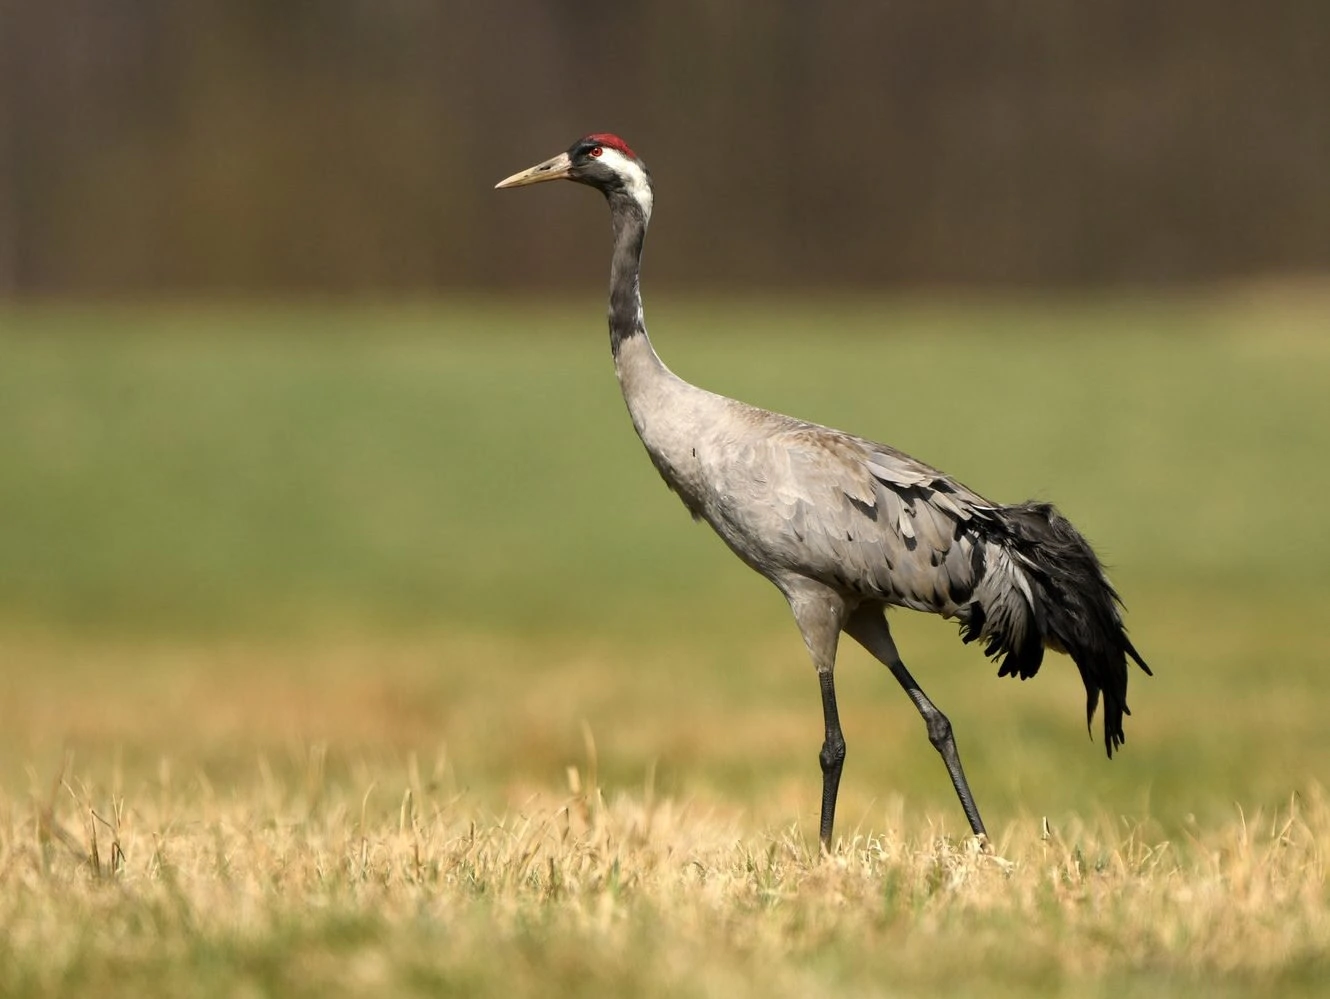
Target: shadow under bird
(846, 527)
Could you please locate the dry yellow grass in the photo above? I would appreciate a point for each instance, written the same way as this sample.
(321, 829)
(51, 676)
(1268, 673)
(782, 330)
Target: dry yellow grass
(386, 886)
(416, 816)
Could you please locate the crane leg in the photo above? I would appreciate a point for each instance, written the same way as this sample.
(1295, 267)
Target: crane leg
(868, 626)
(832, 757)
(820, 614)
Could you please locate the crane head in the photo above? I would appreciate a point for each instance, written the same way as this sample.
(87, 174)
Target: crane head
(600, 160)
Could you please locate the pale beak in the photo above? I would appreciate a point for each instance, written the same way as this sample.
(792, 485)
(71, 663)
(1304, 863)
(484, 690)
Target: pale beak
(554, 169)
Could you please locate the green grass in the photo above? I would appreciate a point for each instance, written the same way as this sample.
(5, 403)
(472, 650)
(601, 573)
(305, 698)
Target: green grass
(166, 469)
(251, 557)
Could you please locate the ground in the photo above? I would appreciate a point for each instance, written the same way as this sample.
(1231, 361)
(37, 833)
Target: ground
(361, 651)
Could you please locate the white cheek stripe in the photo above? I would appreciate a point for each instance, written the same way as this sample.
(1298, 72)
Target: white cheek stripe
(634, 177)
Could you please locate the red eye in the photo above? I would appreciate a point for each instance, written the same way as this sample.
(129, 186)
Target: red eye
(596, 150)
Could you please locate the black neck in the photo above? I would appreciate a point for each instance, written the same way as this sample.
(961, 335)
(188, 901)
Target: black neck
(630, 229)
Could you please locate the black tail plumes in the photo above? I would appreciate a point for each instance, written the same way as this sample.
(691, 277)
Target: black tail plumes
(1075, 611)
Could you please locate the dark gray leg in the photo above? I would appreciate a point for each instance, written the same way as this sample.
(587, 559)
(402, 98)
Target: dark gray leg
(820, 614)
(868, 627)
(832, 758)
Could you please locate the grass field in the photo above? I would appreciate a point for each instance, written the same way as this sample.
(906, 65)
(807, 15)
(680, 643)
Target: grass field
(361, 651)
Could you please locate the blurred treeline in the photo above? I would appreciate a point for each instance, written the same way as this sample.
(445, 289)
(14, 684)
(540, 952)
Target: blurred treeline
(264, 146)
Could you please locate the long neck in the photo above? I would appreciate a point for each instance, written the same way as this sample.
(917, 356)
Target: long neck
(630, 228)
(663, 407)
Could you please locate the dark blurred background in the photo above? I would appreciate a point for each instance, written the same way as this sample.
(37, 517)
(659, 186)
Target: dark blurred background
(203, 146)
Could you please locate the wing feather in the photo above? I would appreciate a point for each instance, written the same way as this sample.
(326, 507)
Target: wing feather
(862, 516)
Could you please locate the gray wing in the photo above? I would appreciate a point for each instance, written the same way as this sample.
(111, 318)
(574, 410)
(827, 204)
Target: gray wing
(863, 517)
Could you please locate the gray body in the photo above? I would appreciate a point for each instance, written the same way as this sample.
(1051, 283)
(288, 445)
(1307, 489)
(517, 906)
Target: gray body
(814, 510)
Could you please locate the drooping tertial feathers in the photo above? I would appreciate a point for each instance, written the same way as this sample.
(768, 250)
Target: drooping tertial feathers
(1072, 608)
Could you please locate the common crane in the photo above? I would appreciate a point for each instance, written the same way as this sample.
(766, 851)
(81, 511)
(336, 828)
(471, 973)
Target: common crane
(846, 527)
